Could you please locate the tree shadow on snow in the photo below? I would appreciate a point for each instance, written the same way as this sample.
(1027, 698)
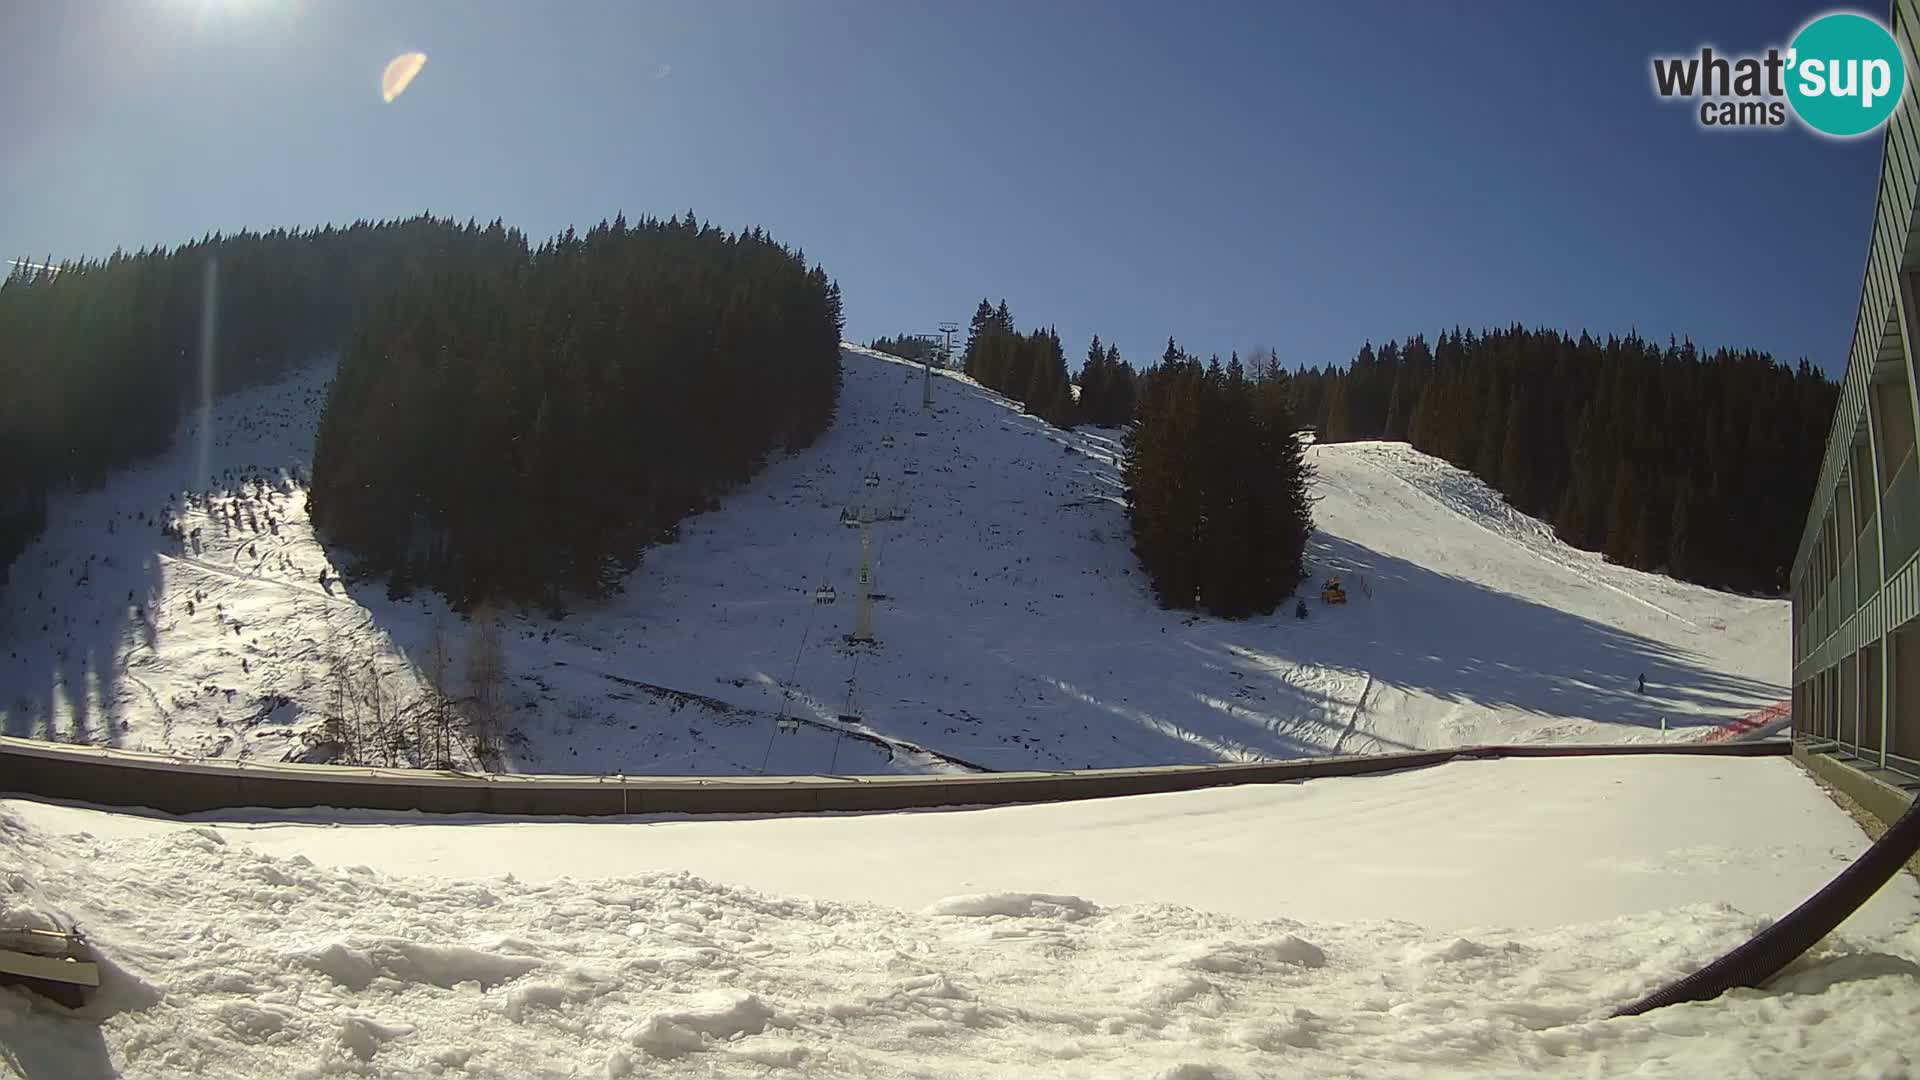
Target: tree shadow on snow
(1281, 687)
(1462, 641)
(80, 602)
(67, 635)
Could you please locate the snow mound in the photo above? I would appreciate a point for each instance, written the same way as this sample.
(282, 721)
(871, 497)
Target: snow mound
(1286, 949)
(523, 1000)
(1015, 905)
(1189, 1071)
(1301, 1029)
(356, 964)
(1182, 989)
(719, 1016)
(257, 1024)
(1445, 952)
(364, 1036)
(773, 1055)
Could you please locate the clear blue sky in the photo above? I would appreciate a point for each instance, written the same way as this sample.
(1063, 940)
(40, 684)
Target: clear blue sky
(1230, 173)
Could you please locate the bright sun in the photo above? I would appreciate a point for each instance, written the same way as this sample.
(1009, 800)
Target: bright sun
(203, 11)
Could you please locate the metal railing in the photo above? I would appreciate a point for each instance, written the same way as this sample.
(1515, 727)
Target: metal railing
(1901, 508)
(1867, 546)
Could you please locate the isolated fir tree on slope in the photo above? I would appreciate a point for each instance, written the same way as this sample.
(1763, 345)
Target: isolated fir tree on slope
(1106, 386)
(1216, 487)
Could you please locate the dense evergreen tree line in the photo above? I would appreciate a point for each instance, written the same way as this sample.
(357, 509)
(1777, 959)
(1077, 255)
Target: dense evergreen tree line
(1029, 368)
(521, 426)
(1106, 386)
(1217, 485)
(1696, 464)
(908, 347)
(99, 357)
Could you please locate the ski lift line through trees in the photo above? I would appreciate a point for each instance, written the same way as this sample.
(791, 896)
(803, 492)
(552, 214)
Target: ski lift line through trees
(869, 513)
(852, 680)
(793, 671)
(782, 722)
(853, 674)
(872, 551)
(872, 562)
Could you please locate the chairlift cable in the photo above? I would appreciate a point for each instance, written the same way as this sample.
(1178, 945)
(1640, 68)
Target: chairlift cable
(806, 632)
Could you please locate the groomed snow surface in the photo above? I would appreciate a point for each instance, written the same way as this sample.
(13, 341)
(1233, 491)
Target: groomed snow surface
(1477, 919)
(1014, 629)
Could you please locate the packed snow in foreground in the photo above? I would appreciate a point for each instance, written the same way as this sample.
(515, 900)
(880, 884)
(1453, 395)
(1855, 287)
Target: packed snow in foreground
(1015, 631)
(273, 948)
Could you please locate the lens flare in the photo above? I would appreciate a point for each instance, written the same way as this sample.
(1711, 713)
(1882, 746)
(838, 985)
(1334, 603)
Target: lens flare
(400, 73)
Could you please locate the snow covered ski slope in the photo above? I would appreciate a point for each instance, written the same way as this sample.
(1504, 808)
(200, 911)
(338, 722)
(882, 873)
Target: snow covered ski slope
(1013, 630)
(1478, 919)
(1484, 627)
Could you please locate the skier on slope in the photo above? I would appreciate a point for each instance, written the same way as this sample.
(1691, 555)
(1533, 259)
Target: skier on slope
(1643, 682)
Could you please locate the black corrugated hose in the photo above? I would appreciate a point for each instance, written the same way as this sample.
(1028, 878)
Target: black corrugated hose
(1780, 944)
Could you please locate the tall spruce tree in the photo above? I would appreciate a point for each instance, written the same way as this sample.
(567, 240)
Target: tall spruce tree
(1216, 487)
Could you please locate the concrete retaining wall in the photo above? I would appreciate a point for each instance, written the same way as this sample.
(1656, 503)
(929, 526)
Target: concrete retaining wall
(1878, 792)
(127, 779)
(177, 785)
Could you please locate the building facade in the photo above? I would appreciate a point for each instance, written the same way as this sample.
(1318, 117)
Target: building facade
(1856, 583)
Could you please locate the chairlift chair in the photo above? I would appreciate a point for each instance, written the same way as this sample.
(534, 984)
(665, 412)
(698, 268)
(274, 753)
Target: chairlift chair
(873, 479)
(824, 595)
